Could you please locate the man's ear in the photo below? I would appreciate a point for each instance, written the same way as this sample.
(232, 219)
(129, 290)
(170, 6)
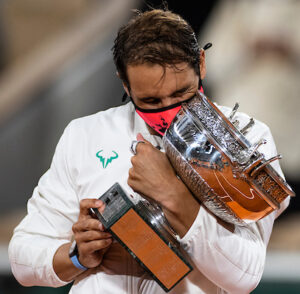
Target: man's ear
(126, 89)
(202, 64)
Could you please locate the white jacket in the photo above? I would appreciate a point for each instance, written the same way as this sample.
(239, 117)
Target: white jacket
(223, 261)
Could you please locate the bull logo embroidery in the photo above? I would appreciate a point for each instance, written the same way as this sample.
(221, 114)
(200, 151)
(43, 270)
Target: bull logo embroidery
(105, 161)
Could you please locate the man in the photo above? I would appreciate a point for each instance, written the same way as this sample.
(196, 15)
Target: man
(160, 64)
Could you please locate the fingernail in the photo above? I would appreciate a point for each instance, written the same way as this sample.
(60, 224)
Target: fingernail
(101, 209)
(98, 202)
(101, 227)
(140, 137)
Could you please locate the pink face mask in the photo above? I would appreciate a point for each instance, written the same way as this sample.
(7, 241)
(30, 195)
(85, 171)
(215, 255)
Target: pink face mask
(160, 119)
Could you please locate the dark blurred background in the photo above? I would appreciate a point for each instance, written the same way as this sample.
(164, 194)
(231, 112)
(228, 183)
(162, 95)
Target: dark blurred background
(56, 65)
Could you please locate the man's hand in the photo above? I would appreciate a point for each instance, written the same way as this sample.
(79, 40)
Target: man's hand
(92, 242)
(153, 176)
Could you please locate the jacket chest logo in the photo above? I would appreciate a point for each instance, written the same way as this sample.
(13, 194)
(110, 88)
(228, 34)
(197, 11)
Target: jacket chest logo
(106, 160)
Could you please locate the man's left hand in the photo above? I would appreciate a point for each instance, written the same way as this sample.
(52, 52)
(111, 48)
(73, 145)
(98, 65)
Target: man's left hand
(153, 176)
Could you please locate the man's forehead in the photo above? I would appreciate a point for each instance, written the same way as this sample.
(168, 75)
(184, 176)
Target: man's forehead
(176, 67)
(146, 76)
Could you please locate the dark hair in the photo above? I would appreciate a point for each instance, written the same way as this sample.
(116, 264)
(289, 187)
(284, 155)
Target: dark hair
(158, 37)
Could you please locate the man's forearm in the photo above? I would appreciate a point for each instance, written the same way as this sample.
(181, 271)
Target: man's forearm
(181, 213)
(182, 209)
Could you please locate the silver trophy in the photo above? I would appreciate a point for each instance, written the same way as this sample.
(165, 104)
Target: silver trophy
(220, 166)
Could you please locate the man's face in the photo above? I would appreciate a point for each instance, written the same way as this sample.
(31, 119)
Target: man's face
(151, 88)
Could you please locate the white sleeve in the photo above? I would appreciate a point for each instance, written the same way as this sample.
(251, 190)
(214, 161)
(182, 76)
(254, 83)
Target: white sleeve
(233, 261)
(52, 210)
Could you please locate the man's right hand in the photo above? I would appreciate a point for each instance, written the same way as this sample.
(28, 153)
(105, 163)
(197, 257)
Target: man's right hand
(92, 242)
(91, 239)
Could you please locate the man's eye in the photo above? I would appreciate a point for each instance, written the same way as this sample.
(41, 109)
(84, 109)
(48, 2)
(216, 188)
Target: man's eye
(152, 101)
(181, 93)
(176, 95)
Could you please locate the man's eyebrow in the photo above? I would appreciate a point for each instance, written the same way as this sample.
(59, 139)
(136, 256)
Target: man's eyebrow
(182, 90)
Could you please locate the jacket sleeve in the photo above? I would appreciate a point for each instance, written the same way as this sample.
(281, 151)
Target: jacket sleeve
(52, 210)
(233, 261)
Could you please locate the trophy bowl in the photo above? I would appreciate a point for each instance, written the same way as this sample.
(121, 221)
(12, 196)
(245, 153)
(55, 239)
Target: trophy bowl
(222, 169)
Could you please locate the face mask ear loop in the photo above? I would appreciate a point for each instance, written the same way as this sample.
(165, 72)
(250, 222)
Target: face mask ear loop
(207, 46)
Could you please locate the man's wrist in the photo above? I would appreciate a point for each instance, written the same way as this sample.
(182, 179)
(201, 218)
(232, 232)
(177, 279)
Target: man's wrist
(182, 208)
(178, 193)
(73, 254)
(77, 264)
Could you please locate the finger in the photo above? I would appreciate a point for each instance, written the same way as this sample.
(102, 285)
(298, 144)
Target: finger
(134, 185)
(142, 146)
(92, 246)
(135, 173)
(101, 227)
(131, 173)
(140, 137)
(86, 204)
(87, 225)
(88, 236)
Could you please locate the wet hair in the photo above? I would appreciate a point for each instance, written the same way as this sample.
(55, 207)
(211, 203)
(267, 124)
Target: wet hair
(156, 37)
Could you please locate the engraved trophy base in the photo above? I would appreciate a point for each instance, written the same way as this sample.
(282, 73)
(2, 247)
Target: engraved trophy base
(144, 233)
